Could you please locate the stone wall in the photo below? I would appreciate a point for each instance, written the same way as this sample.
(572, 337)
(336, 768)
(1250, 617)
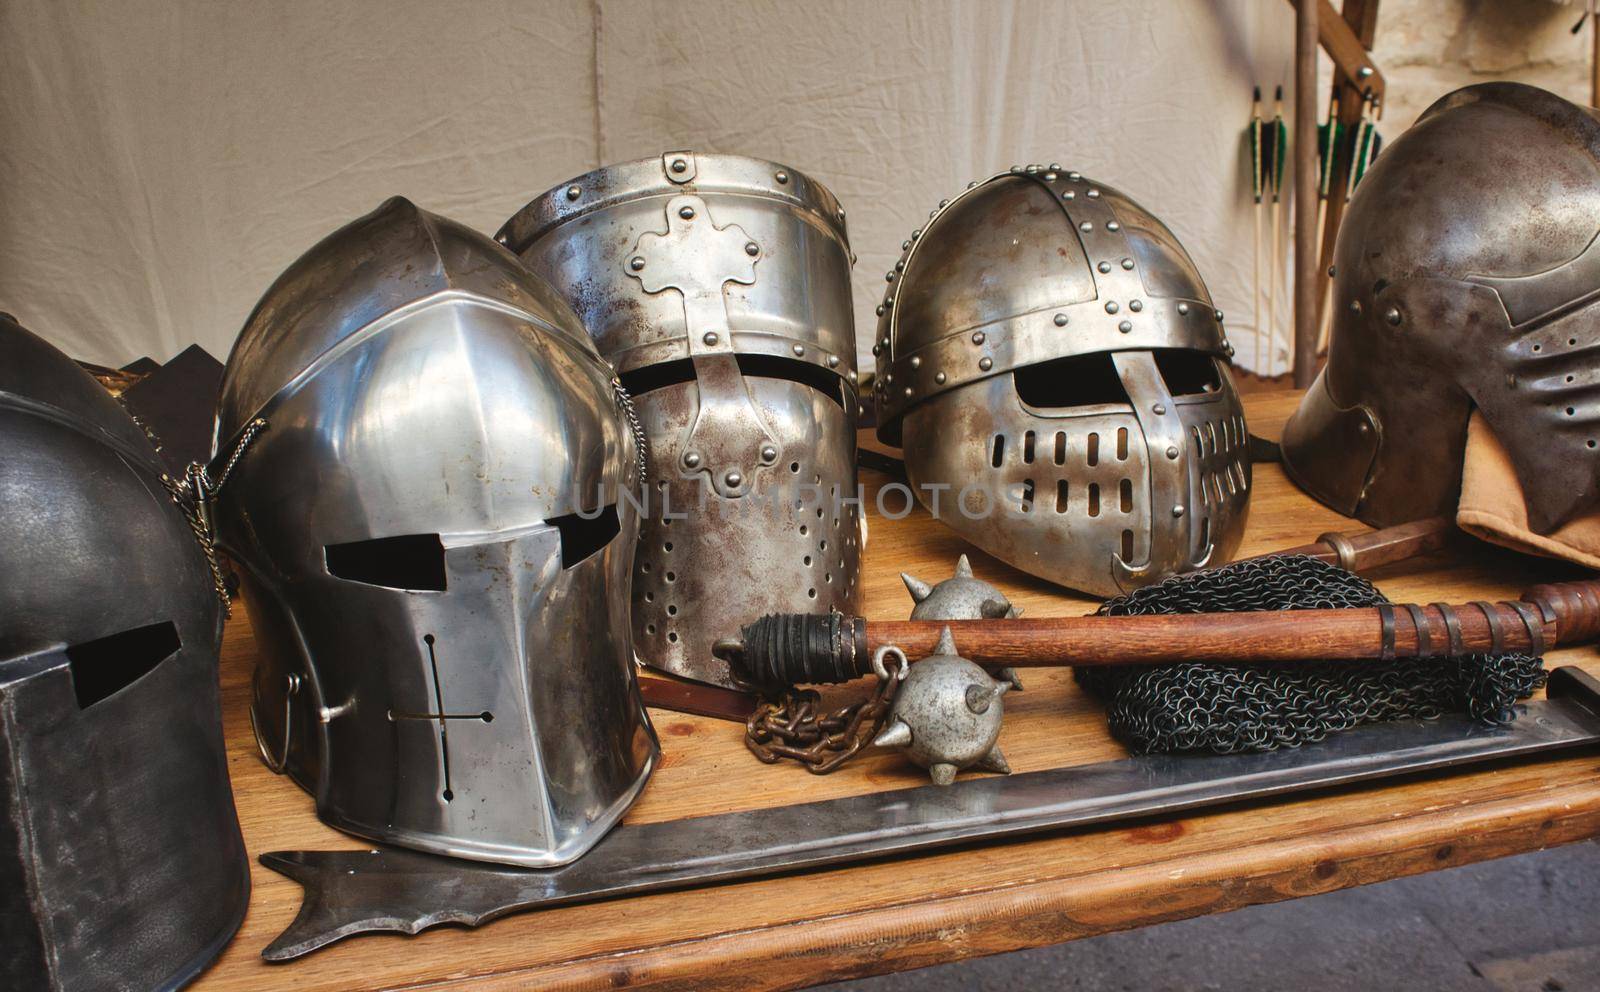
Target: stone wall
(1426, 48)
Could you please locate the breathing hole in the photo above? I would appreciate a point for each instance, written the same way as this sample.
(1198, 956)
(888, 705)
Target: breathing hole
(1122, 444)
(649, 597)
(1127, 545)
(649, 628)
(672, 636)
(672, 610)
(1027, 448)
(794, 467)
(1061, 448)
(1125, 492)
(804, 530)
(667, 546)
(410, 561)
(672, 576)
(1079, 380)
(448, 795)
(106, 665)
(581, 538)
(1061, 495)
(806, 560)
(1094, 449)
(811, 593)
(999, 450)
(1094, 499)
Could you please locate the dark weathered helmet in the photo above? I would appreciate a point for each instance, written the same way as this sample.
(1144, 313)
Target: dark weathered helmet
(1051, 363)
(1466, 276)
(120, 855)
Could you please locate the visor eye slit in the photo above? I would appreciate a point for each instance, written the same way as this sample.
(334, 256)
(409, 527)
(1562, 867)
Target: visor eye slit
(410, 561)
(582, 535)
(106, 665)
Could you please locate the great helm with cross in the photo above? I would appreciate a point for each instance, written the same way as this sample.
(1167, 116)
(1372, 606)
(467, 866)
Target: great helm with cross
(1467, 277)
(433, 547)
(1056, 374)
(719, 286)
(120, 854)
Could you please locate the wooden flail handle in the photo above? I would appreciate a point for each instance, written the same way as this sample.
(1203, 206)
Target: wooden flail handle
(797, 650)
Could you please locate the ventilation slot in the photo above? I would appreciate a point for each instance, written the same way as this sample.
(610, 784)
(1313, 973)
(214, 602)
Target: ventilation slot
(1205, 532)
(1094, 499)
(1027, 495)
(1061, 495)
(1125, 492)
(581, 537)
(104, 667)
(1027, 448)
(999, 450)
(1187, 373)
(1080, 380)
(1127, 545)
(1122, 444)
(1094, 450)
(412, 561)
(1061, 448)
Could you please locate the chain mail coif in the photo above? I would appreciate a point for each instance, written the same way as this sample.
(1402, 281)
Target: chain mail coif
(1226, 709)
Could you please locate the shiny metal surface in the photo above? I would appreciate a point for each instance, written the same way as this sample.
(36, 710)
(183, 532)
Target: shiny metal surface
(1105, 474)
(352, 892)
(1466, 276)
(121, 862)
(469, 690)
(720, 287)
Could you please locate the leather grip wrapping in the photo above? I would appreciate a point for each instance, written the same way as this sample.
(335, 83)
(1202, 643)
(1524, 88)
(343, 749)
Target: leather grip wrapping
(784, 650)
(1575, 607)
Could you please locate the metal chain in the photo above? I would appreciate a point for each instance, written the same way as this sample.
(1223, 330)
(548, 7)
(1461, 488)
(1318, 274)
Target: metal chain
(194, 494)
(791, 727)
(1234, 708)
(641, 443)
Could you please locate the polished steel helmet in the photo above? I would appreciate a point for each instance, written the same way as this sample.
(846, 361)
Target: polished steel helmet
(719, 286)
(1053, 368)
(1467, 276)
(434, 548)
(121, 863)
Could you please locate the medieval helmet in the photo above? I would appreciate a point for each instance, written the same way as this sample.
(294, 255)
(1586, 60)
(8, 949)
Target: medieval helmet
(1466, 275)
(1052, 366)
(120, 853)
(719, 286)
(432, 545)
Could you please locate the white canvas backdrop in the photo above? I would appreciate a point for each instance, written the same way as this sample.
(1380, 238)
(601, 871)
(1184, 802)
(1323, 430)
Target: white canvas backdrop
(161, 162)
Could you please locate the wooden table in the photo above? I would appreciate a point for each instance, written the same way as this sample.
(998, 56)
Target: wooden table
(907, 913)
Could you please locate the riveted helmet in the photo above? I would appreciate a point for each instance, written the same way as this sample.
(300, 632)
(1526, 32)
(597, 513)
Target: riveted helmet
(1466, 277)
(432, 545)
(1053, 368)
(120, 853)
(719, 286)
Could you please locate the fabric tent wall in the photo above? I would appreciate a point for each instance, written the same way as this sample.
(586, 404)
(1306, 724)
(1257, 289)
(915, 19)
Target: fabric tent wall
(163, 161)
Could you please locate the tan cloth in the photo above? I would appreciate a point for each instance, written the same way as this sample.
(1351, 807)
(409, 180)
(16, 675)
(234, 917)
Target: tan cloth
(1493, 508)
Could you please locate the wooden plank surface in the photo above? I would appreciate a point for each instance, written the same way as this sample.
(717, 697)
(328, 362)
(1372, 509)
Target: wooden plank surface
(911, 912)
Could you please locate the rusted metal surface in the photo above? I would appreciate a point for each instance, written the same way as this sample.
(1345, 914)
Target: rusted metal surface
(1465, 278)
(1055, 372)
(719, 286)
